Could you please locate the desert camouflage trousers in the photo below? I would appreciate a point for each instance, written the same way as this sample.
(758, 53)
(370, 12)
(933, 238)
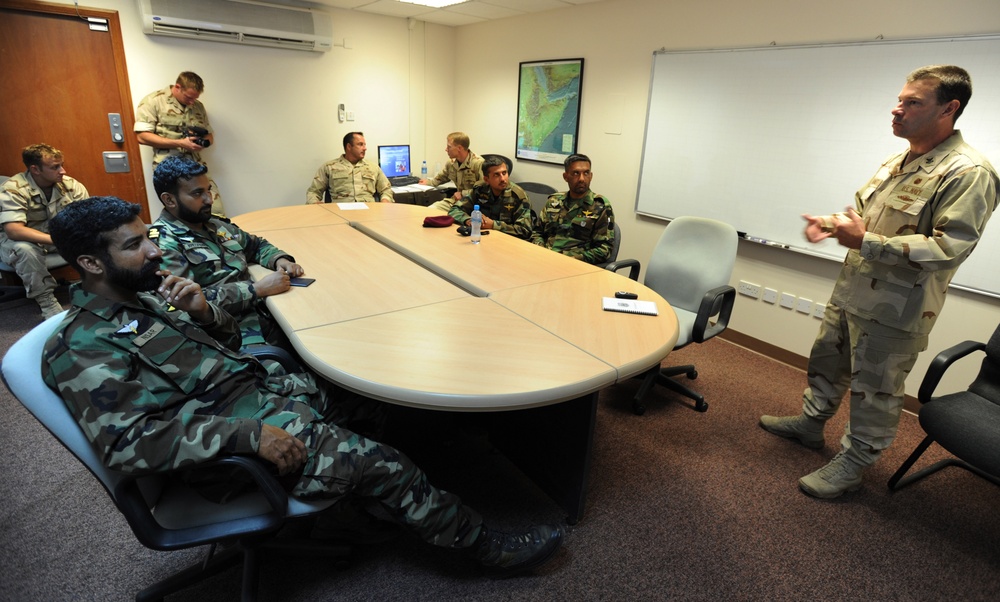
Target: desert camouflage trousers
(343, 462)
(28, 261)
(870, 361)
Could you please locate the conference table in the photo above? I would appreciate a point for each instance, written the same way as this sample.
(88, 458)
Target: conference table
(422, 317)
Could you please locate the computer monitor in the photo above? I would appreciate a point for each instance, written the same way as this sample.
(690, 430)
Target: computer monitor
(394, 160)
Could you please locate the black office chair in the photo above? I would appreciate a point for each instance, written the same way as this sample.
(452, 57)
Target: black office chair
(538, 193)
(510, 164)
(690, 267)
(164, 513)
(966, 423)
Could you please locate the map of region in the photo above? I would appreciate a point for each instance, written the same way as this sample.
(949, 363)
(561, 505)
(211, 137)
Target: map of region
(548, 110)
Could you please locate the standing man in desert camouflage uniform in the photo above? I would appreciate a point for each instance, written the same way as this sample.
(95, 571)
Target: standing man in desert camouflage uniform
(156, 382)
(164, 120)
(578, 222)
(350, 178)
(915, 222)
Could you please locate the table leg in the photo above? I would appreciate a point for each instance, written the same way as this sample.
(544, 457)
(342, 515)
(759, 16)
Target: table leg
(552, 446)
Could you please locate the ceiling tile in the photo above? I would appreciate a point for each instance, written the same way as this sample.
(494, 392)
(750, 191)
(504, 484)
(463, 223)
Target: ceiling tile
(484, 10)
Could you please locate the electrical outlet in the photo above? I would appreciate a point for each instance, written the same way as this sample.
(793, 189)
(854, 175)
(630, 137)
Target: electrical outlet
(819, 309)
(787, 300)
(770, 295)
(749, 289)
(804, 306)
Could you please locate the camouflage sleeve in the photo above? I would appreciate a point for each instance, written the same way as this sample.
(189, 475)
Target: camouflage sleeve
(963, 205)
(598, 248)
(540, 236)
(13, 203)
(76, 191)
(145, 116)
(439, 179)
(119, 404)
(383, 187)
(257, 249)
(521, 226)
(319, 185)
(234, 296)
(462, 208)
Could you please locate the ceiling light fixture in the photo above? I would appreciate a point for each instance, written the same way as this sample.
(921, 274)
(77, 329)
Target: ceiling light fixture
(434, 3)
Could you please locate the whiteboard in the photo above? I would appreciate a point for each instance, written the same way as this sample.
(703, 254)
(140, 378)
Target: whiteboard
(758, 136)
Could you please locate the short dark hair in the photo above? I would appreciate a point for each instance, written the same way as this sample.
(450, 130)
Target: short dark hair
(173, 169)
(349, 137)
(33, 155)
(189, 79)
(954, 83)
(80, 228)
(574, 158)
(492, 161)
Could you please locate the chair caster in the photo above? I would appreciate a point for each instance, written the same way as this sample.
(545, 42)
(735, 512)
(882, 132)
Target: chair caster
(701, 406)
(692, 374)
(638, 409)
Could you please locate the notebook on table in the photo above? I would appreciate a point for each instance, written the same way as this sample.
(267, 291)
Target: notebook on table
(630, 306)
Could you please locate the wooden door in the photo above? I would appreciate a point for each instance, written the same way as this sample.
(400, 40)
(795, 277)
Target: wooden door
(61, 79)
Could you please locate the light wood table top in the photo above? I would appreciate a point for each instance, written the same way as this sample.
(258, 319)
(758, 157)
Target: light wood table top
(498, 262)
(404, 313)
(422, 357)
(355, 277)
(281, 218)
(572, 308)
(356, 213)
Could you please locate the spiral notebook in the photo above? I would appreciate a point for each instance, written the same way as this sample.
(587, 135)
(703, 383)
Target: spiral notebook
(630, 306)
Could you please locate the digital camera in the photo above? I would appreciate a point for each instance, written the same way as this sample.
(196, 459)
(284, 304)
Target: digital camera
(198, 134)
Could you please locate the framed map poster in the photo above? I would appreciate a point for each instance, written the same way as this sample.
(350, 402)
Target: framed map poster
(548, 109)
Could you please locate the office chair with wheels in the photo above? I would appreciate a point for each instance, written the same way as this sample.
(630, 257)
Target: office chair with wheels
(614, 264)
(164, 513)
(966, 423)
(690, 268)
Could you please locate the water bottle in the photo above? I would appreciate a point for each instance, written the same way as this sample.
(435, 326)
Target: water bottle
(476, 224)
(423, 170)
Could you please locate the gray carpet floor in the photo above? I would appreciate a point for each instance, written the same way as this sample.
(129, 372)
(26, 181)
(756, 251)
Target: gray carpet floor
(681, 506)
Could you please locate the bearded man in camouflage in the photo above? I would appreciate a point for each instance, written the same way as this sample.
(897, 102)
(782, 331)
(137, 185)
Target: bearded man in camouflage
(156, 382)
(577, 223)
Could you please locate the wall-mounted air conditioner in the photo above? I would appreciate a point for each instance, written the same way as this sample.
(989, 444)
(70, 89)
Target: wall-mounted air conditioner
(239, 22)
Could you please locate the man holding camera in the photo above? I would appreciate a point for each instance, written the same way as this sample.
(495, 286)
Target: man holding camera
(175, 123)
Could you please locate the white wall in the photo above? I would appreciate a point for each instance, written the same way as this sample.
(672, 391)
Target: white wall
(275, 111)
(617, 39)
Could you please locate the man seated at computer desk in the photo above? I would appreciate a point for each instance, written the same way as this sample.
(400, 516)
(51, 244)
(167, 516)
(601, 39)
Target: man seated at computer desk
(349, 177)
(505, 206)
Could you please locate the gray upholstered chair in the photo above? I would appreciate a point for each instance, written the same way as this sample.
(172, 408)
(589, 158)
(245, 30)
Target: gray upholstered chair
(690, 268)
(966, 423)
(164, 513)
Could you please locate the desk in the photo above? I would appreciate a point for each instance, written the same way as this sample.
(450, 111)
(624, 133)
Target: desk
(386, 318)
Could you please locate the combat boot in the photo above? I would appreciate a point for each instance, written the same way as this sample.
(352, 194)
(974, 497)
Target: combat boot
(49, 305)
(840, 475)
(804, 429)
(514, 553)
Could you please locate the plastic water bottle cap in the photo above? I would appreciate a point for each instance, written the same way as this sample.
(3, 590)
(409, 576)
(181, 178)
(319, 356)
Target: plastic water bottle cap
(475, 207)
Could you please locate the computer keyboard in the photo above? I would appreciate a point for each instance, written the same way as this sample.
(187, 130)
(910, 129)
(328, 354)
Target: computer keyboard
(403, 180)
